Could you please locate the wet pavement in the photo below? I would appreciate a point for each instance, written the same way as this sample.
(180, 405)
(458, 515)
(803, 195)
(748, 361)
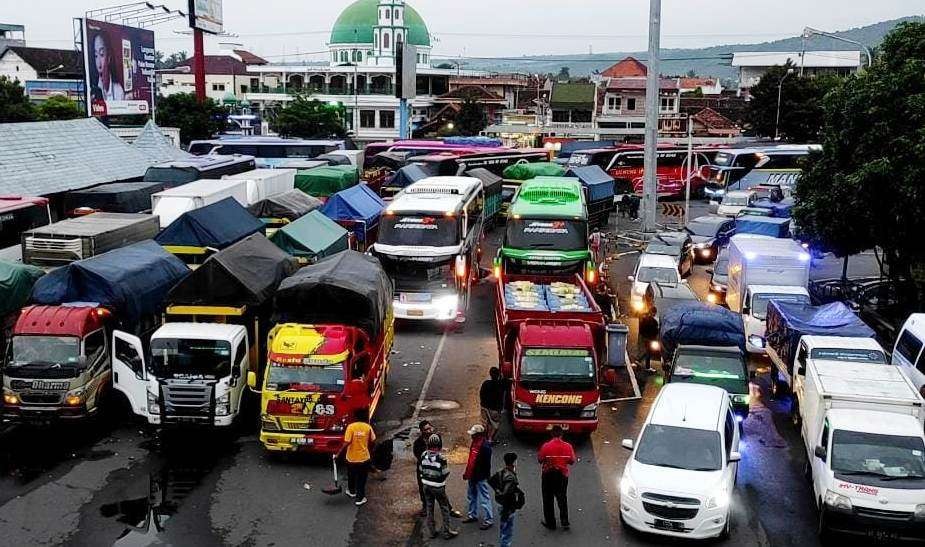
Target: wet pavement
(109, 482)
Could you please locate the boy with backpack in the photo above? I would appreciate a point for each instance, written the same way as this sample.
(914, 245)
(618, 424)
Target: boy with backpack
(509, 496)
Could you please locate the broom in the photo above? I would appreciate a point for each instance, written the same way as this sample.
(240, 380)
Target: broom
(335, 488)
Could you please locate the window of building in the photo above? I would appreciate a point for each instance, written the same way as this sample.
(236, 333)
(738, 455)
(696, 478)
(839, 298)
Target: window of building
(614, 103)
(385, 41)
(376, 40)
(343, 56)
(387, 119)
(218, 87)
(367, 118)
(581, 116)
(359, 57)
(397, 15)
(397, 38)
(388, 13)
(560, 116)
(631, 104)
(667, 104)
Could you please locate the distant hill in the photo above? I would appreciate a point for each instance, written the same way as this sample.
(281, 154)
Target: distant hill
(708, 61)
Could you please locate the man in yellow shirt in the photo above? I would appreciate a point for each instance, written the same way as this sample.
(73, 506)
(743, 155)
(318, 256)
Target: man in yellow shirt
(358, 440)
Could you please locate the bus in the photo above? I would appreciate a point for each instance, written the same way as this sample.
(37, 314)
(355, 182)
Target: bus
(176, 173)
(744, 168)
(627, 168)
(419, 147)
(268, 151)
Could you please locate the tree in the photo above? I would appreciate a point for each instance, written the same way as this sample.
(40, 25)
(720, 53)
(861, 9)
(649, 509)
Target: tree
(471, 119)
(171, 61)
(14, 105)
(800, 104)
(564, 75)
(310, 118)
(59, 107)
(194, 119)
(864, 190)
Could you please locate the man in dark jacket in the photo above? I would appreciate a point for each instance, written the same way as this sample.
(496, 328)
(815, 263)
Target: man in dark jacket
(478, 469)
(418, 449)
(491, 399)
(509, 496)
(434, 471)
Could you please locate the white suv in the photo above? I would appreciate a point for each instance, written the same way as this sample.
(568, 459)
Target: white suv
(680, 478)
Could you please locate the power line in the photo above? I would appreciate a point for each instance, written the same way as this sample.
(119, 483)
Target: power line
(442, 57)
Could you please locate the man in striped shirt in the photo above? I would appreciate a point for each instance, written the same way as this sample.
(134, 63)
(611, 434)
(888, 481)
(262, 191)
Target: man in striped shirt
(434, 470)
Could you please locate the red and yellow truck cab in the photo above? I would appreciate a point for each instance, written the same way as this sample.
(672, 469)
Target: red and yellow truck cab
(552, 346)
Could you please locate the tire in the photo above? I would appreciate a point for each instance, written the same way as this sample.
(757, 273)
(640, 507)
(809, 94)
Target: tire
(825, 535)
(726, 533)
(795, 417)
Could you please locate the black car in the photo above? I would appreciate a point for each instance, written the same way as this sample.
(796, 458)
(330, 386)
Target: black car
(676, 244)
(659, 298)
(709, 234)
(719, 278)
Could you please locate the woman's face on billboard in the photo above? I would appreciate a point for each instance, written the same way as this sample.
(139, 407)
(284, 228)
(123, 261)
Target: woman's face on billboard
(101, 56)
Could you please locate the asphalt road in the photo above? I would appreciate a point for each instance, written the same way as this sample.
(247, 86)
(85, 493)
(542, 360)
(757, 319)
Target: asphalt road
(107, 482)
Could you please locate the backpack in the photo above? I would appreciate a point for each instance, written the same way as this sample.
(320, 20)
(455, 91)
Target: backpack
(519, 499)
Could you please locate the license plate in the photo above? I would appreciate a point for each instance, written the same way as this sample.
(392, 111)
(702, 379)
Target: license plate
(669, 525)
(416, 297)
(416, 313)
(302, 441)
(883, 535)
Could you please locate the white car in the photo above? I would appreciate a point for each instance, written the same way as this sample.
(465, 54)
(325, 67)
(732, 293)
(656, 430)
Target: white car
(652, 267)
(908, 354)
(680, 478)
(734, 202)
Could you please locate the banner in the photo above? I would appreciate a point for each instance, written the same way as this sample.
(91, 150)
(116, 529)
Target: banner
(206, 15)
(119, 69)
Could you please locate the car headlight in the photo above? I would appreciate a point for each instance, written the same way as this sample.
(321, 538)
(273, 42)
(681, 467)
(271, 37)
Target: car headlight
(719, 499)
(741, 399)
(628, 487)
(589, 411)
(153, 407)
(223, 405)
(654, 345)
(638, 306)
(523, 409)
(837, 501)
(920, 511)
(268, 424)
(706, 252)
(756, 341)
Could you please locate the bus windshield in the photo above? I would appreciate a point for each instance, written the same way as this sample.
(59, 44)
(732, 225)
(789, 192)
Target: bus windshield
(558, 235)
(419, 231)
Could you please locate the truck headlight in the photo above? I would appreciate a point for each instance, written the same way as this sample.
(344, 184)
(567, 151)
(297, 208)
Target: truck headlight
(920, 511)
(523, 409)
(719, 499)
(74, 398)
(10, 398)
(756, 341)
(223, 405)
(153, 407)
(268, 424)
(627, 487)
(589, 411)
(741, 399)
(638, 306)
(837, 501)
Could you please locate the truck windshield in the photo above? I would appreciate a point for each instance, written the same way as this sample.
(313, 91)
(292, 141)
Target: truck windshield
(874, 356)
(724, 371)
(760, 302)
(557, 365)
(420, 231)
(735, 201)
(307, 378)
(680, 448)
(34, 353)
(662, 275)
(559, 235)
(884, 457)
(173, 358)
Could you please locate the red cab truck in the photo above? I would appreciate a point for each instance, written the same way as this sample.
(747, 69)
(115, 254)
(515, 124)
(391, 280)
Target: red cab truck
(552, 346)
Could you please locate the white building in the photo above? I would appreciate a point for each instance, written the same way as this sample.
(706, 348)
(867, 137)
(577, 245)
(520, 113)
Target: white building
(228, 79)
(360, 73)
(44, 72)
(753, 65)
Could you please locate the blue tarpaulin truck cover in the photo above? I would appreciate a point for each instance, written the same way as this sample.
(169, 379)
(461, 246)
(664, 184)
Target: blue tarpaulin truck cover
(701, 324)
(779, 209)
(132, 281)
(357, 204)
(788, 322)
(763, 226)
(218, 226)
(408, 175)
(595, 179)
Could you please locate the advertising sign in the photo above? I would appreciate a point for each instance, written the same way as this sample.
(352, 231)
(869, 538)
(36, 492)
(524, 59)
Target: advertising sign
(119, 67)
(206, 15)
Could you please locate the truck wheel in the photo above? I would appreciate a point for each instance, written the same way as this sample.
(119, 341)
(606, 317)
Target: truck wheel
(825, 535)
(795, 413)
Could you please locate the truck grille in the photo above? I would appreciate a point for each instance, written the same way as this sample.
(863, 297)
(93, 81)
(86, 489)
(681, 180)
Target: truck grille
(670, 507)
(54, 249)
(181, 399)
(560, 412)
(881, 514)
(41, 398)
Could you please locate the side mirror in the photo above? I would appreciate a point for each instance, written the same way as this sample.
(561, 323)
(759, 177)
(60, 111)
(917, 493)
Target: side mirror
(746, 310)
(235, 373)
(801, 370)
(631, 278)
(627, 444)
(252, 380)
(734, 457)
(821, 453)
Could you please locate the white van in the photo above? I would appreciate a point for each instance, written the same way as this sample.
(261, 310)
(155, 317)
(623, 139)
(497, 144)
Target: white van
(908, 355)
(265, 183)
(680, 479)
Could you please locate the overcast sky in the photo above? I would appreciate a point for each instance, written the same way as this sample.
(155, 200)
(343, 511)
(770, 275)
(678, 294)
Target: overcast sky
(278, 28)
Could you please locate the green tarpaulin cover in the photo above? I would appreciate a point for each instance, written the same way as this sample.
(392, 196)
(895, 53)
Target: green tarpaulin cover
(313, 236)
(322, 182)
(16, 282)
(527, 171)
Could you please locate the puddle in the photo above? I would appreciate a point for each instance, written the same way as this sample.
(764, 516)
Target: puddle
(438, 405)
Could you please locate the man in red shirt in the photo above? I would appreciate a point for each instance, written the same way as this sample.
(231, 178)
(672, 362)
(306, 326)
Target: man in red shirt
(555, 457)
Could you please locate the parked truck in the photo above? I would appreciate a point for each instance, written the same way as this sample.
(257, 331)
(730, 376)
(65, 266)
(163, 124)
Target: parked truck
(553, 346)
(59, 362)
(328, 353)
(789, 323)
(171, 204)
(761, 270)
(194, 370)
(263, 184)
(705, 344)
(80, 238)
(862, 430)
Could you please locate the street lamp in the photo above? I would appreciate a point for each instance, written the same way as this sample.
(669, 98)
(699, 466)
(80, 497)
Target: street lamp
(780, 90)
(50, 70)
(809, 32)
(184, 69)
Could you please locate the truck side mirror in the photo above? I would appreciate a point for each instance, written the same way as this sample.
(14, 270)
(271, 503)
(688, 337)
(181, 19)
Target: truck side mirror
(631, 278)
(821, 453)
(252, 380)
(746, 310)
(734, 457)
(627, 444)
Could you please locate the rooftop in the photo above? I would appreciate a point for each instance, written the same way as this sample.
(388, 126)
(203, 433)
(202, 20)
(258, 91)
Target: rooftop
(689, 405)
(226, 65)
(572, 94)
(627, 67)
(355, 24)
(549, 198)
(811, 59)
(42, 59)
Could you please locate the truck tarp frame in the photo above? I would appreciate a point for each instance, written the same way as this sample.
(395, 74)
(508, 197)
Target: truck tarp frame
(358, 204)
(118, 197)
(349, 288)
(245, 274)
(788, 322)
(389, 160)
(312, 236)
(132, 281)
(600, 185)
(765, 226)
(527, 171)
(701, 324)
(290, 205)
(408, 175)
(218, 226)
(16, 282)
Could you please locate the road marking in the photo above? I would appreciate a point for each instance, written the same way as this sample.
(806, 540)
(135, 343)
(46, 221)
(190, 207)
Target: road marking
(428, 379)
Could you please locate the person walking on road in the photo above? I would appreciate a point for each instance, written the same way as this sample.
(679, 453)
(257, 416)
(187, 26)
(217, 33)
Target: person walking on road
(491, 400)
(434, 471)
(478, 470)
(555, 457)
(358, 442)
(509, 496)
(426, 429)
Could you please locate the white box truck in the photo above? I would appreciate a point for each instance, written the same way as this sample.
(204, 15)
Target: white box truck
(862, 430)
(760, 270)
(170, 204)
(265, 183)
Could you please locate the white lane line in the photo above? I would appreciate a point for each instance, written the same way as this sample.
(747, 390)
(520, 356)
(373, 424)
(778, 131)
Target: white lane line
(430, 377)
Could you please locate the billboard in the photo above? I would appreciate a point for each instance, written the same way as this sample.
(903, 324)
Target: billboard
(119, 69)
(206, 15)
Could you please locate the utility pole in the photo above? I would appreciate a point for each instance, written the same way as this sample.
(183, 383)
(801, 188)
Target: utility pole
(199, 64)
(650, 181)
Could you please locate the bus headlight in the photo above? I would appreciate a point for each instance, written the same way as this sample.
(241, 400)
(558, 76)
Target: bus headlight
(447, 305)
(153, 407)
(920, 511)
(74, 398)
(638, 306)
(10, 398)
(268, 424)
